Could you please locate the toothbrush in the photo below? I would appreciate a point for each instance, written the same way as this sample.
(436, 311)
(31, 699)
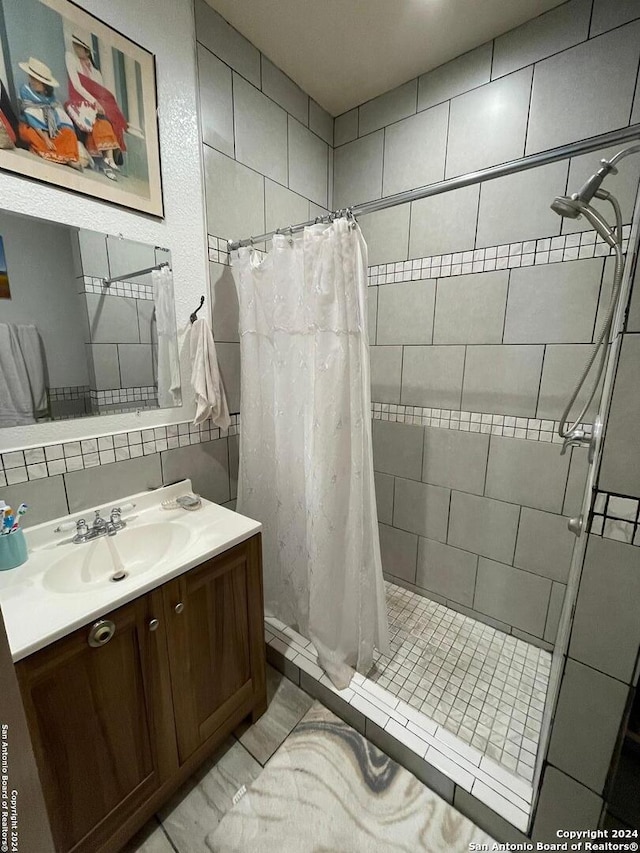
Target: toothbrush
(8, 519)
(21, 511)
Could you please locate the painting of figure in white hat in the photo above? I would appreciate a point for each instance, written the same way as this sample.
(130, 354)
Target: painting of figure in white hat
(78, 104)
(45, 127)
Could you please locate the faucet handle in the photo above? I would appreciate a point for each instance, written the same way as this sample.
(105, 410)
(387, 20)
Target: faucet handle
(81, 527)
(116, 515)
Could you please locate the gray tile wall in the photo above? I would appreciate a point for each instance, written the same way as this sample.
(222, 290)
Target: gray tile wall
(121, 330)
(267, 150)
(510, 341)
(524, 92)
(476, 521)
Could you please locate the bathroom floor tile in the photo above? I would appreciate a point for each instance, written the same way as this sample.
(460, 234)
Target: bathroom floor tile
(197, 808)
(287, 705)
(150, 839)
(472, 677)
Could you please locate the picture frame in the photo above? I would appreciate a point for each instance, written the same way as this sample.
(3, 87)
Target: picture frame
(78, 105)
(5, 288)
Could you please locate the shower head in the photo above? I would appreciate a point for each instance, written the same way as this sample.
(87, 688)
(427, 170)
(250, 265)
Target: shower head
(565, 206)
(573, 208)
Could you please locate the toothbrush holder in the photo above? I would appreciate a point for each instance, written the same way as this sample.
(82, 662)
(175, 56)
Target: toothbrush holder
(13, 550)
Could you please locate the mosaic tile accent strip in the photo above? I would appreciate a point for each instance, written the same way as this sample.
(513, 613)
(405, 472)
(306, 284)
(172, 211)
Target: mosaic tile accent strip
(18, 466)
(548, 250)
(511, 426)
(132, 289)
(616, 517)
(218, 249)
(124, 395)
(508, 676)
(71, 392)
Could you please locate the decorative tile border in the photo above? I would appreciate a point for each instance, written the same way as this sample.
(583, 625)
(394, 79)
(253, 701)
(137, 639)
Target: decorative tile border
(70, 392)
(124, 395)
(616, 517)
(547, 250)
(534, 429)
(131, 289)
(19, 466)
(218, 249)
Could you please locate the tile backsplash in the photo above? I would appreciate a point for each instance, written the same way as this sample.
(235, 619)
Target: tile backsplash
(56, 479)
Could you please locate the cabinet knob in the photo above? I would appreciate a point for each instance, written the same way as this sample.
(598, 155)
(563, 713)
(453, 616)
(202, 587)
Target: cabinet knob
(153, 624)
(179, 607)
(101, 632)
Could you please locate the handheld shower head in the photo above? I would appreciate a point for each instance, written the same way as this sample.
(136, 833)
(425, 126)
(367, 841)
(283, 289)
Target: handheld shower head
(573, 208)
(565, 206)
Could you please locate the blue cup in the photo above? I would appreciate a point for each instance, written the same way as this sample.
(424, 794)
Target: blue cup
(13, 550)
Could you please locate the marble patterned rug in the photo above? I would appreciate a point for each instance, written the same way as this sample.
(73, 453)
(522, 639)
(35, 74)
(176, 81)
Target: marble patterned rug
(329, 790)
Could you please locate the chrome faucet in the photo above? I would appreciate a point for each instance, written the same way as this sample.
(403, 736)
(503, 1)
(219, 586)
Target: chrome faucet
(100, 526)
(576, 438)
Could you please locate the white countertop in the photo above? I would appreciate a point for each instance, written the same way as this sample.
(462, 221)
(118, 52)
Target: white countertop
(35, 615)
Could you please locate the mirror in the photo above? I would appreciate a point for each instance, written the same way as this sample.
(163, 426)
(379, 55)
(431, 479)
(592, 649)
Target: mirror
(74, 341)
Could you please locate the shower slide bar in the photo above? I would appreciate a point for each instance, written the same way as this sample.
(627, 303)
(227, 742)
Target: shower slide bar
(562, 152)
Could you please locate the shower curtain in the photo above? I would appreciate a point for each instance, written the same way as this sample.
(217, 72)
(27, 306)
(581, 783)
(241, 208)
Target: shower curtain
(306, 467)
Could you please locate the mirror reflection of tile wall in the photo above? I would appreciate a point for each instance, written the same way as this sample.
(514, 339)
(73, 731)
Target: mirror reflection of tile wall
(96, 347)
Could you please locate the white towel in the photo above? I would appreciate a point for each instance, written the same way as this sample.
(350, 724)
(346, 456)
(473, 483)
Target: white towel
(16, 403)
(211, 401)
(33, 353)
(168, 362)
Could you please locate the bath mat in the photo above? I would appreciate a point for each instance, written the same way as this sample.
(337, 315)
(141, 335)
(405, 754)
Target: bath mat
(329, 790)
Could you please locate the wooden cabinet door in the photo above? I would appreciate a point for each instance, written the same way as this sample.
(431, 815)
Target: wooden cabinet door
(215, 634)
(94, 726)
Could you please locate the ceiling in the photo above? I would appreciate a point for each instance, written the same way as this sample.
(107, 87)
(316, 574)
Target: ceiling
(343, 52)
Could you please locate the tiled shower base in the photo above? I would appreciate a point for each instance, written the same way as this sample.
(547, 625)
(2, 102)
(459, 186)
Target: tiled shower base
(466, 698)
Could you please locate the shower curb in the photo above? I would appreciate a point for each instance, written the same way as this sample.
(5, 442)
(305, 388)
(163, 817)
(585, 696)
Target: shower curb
(454, 770)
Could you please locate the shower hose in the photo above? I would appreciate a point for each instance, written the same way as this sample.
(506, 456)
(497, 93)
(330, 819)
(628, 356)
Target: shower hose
(601, 344)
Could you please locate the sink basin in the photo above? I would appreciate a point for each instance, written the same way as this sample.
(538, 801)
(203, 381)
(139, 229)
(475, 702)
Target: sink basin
(113, 559)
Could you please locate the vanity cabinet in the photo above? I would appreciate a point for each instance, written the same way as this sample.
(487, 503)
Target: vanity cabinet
(211, 647)
(118, 726)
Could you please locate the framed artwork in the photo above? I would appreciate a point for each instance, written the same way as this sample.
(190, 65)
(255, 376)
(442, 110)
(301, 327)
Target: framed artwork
(78, 104)
(5, 290)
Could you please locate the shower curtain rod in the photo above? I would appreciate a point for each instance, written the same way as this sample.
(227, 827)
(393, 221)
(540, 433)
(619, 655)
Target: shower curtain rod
(136, 274)
(585, 146)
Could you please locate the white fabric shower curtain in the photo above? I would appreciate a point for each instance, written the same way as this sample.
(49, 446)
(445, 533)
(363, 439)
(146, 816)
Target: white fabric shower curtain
(306, 467)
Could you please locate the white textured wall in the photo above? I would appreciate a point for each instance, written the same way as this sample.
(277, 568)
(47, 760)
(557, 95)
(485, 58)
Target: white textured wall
(166, 28)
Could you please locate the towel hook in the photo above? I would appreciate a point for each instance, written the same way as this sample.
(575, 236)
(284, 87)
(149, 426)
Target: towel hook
(193, 317)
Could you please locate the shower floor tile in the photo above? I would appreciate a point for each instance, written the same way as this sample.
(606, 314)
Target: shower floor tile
(466, 698)
(483, 685)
